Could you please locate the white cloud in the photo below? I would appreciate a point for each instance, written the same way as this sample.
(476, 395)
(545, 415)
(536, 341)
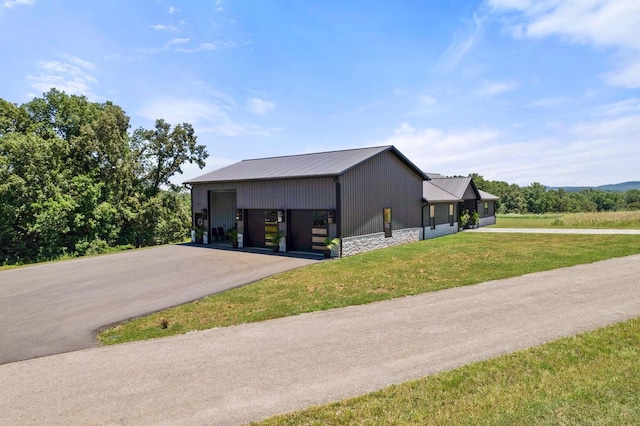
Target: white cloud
(259, 106)
(404, 128)
(490, 88)
(73, 76)
(10, 4)
(219, 5)
(583, 153)
(172, 10)
(613, 24)
(549, 102)
(631, 105)
(460, 46)
(177, 41)
(205, 115)
(160, 27)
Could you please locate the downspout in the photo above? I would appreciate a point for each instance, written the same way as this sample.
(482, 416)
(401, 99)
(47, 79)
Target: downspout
(422, 216)
(336, 179)
(190, 188)
(193, 225)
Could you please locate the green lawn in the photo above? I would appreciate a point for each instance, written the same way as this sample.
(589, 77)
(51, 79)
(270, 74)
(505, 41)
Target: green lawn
(600, 220)
(590, 379)
(452, 261)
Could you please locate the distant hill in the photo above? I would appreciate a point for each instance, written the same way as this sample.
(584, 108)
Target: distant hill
(617, 187)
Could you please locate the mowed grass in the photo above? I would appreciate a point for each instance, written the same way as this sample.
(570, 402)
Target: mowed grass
(590, 379)
(452, 261)
(596, 220)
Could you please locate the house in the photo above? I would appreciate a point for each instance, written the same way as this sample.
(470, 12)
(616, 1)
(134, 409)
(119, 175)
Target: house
(469, 197)
(370, 198)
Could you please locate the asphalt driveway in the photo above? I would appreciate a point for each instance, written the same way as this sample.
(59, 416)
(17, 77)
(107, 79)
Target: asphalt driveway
(234, 375)
(58, 307)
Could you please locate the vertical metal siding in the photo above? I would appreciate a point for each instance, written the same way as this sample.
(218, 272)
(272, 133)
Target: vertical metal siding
(442, 213)
(223, 209)
(311, 193)
(382, 181)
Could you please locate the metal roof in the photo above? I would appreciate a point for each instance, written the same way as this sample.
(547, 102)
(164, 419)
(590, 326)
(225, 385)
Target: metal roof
(435, 175)
(456, 185)
(485, 196)
(434, 194)
(332, 163)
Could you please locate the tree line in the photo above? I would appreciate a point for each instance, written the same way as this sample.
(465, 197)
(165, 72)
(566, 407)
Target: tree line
(74, 180)
(536, 198)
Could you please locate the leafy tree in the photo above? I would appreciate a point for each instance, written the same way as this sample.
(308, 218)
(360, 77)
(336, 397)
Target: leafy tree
(73, 181)
(162, 152)
(632, 199)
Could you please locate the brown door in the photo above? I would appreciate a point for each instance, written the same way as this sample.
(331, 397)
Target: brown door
(300, 224)
(254, 229)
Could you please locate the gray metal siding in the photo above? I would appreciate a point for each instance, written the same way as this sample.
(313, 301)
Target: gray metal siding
(492, 209)
(312, 193)
(442, 214)
(382, 181)
(469, 194)
(222, 211)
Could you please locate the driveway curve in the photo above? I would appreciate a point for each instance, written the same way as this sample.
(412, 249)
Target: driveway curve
(57, 307)
(238, 374)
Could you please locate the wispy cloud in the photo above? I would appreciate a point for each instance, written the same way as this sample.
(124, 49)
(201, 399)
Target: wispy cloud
(561, 158)
(207, 116)
(172, 10)
(209, 46)
(259, 106)
(72, 75)
(549, 102)
(613, 24)
(490, 88)
(175, 41)
(10, 4)
(461, 44)
(219, 5)
(160, 27)
(425, 105)
(627, 106)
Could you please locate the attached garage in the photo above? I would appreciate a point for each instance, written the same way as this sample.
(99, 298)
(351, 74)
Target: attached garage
(370, 198)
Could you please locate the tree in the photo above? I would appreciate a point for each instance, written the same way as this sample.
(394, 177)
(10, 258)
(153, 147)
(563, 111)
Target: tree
(632, 199)
(162, 152)
(73, 181)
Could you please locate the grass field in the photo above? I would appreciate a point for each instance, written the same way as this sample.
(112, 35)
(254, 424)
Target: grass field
(452, 261)
(599, 220)
(590, 379)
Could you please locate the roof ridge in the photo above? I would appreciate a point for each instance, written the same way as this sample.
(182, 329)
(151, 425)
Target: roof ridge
(319, 153)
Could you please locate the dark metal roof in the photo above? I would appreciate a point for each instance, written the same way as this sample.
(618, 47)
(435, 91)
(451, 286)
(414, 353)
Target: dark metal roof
(485, 196)
(435, 175)
(434, 194)
(332, 163)
(456, 185)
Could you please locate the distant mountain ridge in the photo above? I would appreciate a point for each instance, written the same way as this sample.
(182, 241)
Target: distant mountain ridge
(616, 187)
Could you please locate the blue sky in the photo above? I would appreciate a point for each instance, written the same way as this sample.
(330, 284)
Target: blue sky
(516, 90)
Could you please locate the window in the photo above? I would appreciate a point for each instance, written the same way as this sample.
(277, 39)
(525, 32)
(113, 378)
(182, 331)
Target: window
(432, 216)
(486, 208)
(386, 218)
(450, 214)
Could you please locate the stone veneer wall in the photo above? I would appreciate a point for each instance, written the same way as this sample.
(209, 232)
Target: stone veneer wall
(440, 231)
(489, 220)
(364, 243)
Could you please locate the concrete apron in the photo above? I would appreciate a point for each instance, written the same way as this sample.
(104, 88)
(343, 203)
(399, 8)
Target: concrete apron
(238, 374)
